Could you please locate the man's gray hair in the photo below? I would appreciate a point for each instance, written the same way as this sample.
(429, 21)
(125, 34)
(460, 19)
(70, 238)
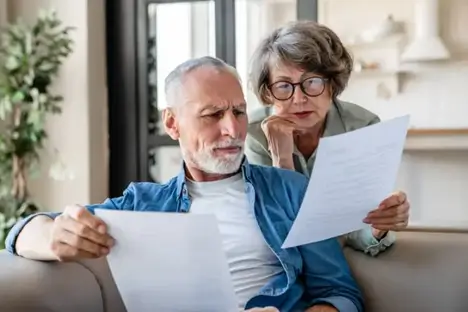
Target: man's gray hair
(173, 84)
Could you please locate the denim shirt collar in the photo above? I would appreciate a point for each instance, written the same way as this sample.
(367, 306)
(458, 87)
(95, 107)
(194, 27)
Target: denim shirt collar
(181, 177)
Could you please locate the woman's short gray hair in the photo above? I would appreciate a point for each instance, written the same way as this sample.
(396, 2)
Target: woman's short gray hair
(304, 44)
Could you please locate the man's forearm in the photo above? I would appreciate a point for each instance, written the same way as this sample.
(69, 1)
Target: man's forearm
(33, 241)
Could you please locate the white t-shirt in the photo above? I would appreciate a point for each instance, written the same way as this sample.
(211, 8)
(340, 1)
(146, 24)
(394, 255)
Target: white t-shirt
(251, 261)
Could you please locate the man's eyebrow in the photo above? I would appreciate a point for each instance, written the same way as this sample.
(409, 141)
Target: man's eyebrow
(211, 107)
(242, 105)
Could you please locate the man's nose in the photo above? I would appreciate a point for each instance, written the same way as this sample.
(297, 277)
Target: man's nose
(230, 125)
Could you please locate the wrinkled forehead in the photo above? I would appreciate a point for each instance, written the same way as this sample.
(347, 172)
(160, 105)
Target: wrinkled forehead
(212, 87)
(279, 70)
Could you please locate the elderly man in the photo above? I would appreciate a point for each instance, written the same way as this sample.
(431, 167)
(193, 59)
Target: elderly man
(255, 205)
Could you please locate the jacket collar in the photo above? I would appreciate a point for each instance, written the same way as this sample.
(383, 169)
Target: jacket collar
(334, 123)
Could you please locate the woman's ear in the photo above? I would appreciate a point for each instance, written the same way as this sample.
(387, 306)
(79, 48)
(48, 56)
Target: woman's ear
(170, 123)
(330, 90)
(267, 98)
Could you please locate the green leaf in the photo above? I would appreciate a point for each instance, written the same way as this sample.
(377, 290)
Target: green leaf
(34, 93)
(47, 66)
(33, 117)
(42, 98)
(15, 50)
(9, 224)
(18, 97)
(43, 14)
(28, 43)
(12, 63)
(5, 107)
(28, 79)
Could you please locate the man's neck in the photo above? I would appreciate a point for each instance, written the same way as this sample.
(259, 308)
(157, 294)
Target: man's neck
(197, 175)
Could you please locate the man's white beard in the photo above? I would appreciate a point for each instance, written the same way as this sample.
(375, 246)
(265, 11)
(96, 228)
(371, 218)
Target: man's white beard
(206, 162)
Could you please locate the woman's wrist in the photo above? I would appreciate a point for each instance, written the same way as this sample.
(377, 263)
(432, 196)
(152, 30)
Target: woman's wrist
(283, 162)
(379, 234)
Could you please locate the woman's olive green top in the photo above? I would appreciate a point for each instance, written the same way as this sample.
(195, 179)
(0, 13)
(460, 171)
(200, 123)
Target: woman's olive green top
(342, 117)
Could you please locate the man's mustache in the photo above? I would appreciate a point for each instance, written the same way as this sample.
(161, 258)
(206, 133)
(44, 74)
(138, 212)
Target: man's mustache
(229, 143)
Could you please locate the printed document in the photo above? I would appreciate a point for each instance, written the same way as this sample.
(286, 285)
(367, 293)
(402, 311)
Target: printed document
(169, 262)
(353, 173)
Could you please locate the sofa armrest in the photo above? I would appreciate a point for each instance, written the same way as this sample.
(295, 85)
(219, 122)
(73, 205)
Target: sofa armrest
(27, 285)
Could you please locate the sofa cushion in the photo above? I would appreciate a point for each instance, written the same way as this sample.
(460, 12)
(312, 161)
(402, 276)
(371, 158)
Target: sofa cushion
(421, 272)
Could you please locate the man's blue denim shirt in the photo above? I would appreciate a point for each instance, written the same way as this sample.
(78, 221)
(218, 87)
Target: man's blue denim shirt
(313, 273)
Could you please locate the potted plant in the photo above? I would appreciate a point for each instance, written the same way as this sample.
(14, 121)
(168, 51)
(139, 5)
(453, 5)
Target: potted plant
(30, 58)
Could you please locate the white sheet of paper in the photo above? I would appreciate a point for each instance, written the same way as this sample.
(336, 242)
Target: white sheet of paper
(353, 173)
(169, 262)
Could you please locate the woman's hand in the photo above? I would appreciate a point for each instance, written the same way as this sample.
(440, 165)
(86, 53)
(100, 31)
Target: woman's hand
(391, 215)
(279, 133)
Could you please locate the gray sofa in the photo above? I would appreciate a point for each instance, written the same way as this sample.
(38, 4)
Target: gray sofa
(424, 271)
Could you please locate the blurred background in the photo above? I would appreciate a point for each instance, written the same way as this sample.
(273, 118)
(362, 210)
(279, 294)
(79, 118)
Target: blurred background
(411, 57)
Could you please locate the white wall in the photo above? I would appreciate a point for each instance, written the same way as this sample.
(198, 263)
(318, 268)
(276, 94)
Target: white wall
(80, 133)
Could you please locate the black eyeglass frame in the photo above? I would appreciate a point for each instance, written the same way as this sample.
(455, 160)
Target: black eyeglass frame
(300, 84)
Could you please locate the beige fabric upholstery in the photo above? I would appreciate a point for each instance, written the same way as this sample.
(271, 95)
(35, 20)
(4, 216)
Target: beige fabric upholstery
(421, 272)
(27, 286)
(110, 294)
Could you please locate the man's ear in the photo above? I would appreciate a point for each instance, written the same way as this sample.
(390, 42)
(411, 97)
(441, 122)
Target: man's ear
(170, 123)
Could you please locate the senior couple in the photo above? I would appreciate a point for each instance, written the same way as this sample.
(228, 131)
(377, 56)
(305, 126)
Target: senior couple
(299, 69)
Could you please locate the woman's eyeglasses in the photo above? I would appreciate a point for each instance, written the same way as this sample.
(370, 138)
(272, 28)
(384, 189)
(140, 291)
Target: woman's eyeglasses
(284, 90)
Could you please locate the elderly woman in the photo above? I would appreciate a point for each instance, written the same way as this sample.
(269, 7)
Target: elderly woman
(300, 70)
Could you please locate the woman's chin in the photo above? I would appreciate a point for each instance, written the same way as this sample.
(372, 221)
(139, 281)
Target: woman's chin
(306, 123)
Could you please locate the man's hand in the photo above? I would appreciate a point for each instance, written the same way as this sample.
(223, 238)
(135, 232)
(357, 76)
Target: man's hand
(77, 234)
(266, 309)
(322, 308)
(391, 215)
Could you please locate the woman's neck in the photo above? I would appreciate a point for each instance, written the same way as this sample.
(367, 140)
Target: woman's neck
(307, 141)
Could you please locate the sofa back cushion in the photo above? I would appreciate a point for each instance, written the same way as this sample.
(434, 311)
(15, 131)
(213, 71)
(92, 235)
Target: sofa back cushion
(423, 271)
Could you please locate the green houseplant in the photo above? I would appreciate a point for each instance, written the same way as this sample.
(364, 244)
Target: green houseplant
(30, 58)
